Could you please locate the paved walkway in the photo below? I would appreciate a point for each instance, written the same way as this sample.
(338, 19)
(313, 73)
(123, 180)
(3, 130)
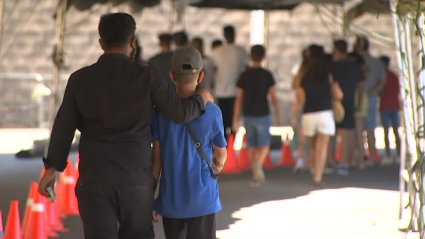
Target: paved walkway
(362, 205)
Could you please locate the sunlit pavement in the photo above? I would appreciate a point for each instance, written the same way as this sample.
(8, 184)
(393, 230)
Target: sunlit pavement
(363, 205)
(328, 213)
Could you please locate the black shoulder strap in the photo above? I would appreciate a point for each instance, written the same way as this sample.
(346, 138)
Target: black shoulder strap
(199, 149)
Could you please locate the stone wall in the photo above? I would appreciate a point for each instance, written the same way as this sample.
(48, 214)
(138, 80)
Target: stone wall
(29, 34)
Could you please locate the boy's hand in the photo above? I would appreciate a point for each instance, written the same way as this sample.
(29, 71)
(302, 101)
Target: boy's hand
(155, 216)
(217, 168)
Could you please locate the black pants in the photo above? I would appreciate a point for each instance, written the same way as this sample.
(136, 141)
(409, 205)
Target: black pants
(190, 228)
(116, 211)
(226, 106)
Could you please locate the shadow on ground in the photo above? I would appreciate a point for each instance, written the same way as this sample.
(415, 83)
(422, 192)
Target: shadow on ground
(235, 193)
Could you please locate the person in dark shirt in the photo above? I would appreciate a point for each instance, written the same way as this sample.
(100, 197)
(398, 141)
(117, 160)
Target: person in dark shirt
(112, 104)
(181, 39)
(389, 107)
(162, 61)
(314, 97)
(350, 76)
(254, 85)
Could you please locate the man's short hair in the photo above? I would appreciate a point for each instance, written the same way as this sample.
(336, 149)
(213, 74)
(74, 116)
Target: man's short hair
(229, 32)
(341, 46)
(165, 38)
(258, 52)
(181, 38)
(362, 42)
(186, 78)
(116, 29)
(216, 43)
(385, 59)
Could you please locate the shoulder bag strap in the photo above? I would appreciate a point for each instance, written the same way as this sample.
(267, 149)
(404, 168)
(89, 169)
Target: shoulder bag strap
(199, 149)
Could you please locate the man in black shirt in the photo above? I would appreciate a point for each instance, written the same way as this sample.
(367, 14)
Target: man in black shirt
(112, 103)
(350, 77)
(162, 61)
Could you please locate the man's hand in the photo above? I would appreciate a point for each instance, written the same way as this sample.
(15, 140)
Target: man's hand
(47, 180)
(278, 121)
(155, 216)
(206, 95)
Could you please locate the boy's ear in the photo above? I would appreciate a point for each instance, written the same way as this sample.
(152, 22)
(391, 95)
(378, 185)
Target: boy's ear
(201, 76)
(172, 76)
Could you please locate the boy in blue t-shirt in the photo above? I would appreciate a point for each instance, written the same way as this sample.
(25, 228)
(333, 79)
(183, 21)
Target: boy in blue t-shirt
(188, 192)
(254, 85)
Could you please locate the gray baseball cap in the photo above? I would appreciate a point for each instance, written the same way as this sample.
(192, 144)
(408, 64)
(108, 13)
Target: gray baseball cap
(186, 60)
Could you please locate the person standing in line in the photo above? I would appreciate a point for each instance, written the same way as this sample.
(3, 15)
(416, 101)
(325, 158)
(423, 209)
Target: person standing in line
(162, 61)
(112, 103)
(215, 44)
(301, 149)
(314, 97)
(254, 85)
(375, 82)
(389, 108)
(350, 77)
(181, 39)
(209, 67)
(188, 193)
(231, 60)
(361, 104)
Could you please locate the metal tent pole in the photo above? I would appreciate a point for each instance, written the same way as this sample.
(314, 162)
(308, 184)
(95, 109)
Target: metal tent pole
(406, 142)
(2, 2)
(59, 36)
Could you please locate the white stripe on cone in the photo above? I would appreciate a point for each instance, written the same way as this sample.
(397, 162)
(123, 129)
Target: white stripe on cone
(37, 207)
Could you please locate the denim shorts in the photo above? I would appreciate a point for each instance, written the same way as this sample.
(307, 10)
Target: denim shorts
(390, 118)
(257, 130)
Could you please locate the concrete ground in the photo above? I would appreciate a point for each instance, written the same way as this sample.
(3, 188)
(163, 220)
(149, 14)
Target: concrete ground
(362, 205)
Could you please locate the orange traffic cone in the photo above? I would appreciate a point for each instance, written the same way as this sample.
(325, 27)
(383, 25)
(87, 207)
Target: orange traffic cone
(268, 164)
(77, 162)
(55, 223)
(49, 229)
(376, 158)
(337, 155)
(286, 158)
(36, 223)
(69, 203)
(28, 208)
(231, 165)
(1, 227)
(60, 195)
(243, 161)
(13, 227)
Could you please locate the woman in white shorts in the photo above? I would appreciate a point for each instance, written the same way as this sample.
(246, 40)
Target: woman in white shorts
(315, 99)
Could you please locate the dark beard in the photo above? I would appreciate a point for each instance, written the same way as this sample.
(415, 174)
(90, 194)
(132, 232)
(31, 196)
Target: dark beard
(133, 54)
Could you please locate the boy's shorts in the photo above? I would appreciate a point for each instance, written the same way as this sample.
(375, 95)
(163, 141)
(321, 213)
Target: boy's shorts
(257, 130)
(390, 118)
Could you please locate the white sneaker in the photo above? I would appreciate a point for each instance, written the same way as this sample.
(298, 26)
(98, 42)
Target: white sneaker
(298, 165)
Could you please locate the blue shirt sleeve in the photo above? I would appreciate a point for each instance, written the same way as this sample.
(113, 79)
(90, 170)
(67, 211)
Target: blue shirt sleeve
(218, 139)
(155, 127)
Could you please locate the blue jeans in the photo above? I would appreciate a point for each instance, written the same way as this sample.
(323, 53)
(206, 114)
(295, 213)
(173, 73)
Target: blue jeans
(257, 130)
